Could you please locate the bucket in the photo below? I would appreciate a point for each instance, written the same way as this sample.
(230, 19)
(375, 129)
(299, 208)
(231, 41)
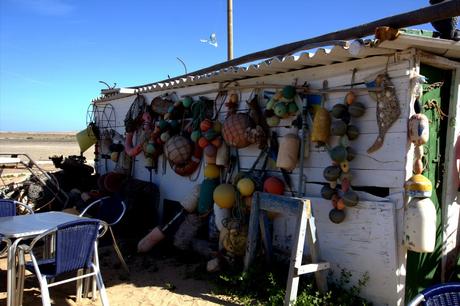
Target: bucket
(86, 139)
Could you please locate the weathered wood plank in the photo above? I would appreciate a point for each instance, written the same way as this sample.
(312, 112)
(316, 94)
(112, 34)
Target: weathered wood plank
(313, 267)
(367, 233)
(253, 232)
(266, 236)
(279, 204)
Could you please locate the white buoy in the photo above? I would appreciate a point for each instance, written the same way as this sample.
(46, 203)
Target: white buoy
(222, 155)
(220, 214)
(420, 225)
(190, 202)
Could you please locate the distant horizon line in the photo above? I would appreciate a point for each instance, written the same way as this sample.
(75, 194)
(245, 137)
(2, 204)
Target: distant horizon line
(40, 132)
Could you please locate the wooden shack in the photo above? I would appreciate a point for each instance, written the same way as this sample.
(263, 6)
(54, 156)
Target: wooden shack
(369, 241)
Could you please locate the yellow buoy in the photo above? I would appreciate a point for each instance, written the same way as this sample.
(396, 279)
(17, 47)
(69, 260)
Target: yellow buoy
(245, 187)
(321, 126)
(224, 195)
(211, 171)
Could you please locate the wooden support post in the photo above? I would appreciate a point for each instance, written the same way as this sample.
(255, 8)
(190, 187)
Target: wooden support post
(301, 209)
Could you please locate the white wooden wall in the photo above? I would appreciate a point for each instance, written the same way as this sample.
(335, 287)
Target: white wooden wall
(369, 238)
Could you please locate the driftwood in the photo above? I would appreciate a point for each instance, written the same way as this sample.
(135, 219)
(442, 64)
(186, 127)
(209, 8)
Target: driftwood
(435, 12)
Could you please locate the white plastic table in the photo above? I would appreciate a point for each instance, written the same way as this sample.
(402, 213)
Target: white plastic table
(21, 227)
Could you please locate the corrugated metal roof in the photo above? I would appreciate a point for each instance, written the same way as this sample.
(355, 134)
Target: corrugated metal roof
(321, 57)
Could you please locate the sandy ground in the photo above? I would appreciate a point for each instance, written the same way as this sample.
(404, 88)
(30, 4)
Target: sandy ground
(153, 280)
(40, 146)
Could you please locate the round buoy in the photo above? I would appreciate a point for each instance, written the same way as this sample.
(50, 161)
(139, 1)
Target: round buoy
(224, 195)
(336, 216)
(246, 187)
(211, 171)
(274, 185)
(210, 150)
(187, 102)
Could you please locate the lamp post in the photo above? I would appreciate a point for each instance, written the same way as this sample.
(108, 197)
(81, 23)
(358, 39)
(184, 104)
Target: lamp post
(229, 29)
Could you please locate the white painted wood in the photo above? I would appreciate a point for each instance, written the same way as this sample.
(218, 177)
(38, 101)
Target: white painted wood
(313, 267)
(366, 234)
(367, 241)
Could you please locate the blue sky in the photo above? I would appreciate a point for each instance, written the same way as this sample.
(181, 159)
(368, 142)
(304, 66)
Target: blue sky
(54, 52)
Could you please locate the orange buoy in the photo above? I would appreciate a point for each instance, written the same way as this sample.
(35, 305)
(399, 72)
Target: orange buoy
(274, 185)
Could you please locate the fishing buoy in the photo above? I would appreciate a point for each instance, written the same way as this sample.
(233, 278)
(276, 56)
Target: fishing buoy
(274, 185)
(220, 214)
(150, 240)
(338, 128)
(336, 216)
(420, 225)
(327, 192)
(211, 171)
(280, 109)
(246, 187)
(350, 97)
(205, 125)
(234, 130)
(210, 150)
(288, 151)
(356, 109)
(419, 129)
(273, 121)
(178, 149)
(217, 127)
(149, 162)
(187, 101)
(217, 142)
(195, 136)
(190, 201)
(338, 154)
(338, 111)
(418, 186)
(114, 156)
(224, 195)
(205, 200)
(321, 126)
(332, 173)
(288, 92)
(222, 155)
(350, 198)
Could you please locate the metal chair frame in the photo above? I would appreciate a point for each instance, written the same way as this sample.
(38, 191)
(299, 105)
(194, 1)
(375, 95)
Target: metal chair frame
(92, 261)
(447, 294)
(8, 211)
(110, 224)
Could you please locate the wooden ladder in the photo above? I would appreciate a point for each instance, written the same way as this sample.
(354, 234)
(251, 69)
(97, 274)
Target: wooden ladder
(301, 209)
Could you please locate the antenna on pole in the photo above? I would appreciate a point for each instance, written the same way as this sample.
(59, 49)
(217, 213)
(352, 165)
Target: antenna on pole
(185, 67)
(229, 29)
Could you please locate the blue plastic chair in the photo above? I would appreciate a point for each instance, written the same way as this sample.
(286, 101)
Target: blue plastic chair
(447, 294)
(75, 249)
(9, 207)
(110, 210)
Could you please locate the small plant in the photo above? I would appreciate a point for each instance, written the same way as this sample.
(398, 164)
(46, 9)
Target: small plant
(265, 285)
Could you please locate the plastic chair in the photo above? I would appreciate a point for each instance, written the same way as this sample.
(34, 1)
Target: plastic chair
(9, 207)
(75, 249)
(447, 294)
(110, 210)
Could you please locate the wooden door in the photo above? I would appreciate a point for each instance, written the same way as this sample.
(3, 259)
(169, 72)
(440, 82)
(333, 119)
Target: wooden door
(424, 269)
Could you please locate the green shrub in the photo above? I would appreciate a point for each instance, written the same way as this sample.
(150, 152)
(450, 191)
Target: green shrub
(263, 285)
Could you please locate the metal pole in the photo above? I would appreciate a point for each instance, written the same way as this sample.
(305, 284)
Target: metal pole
(229, 30)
